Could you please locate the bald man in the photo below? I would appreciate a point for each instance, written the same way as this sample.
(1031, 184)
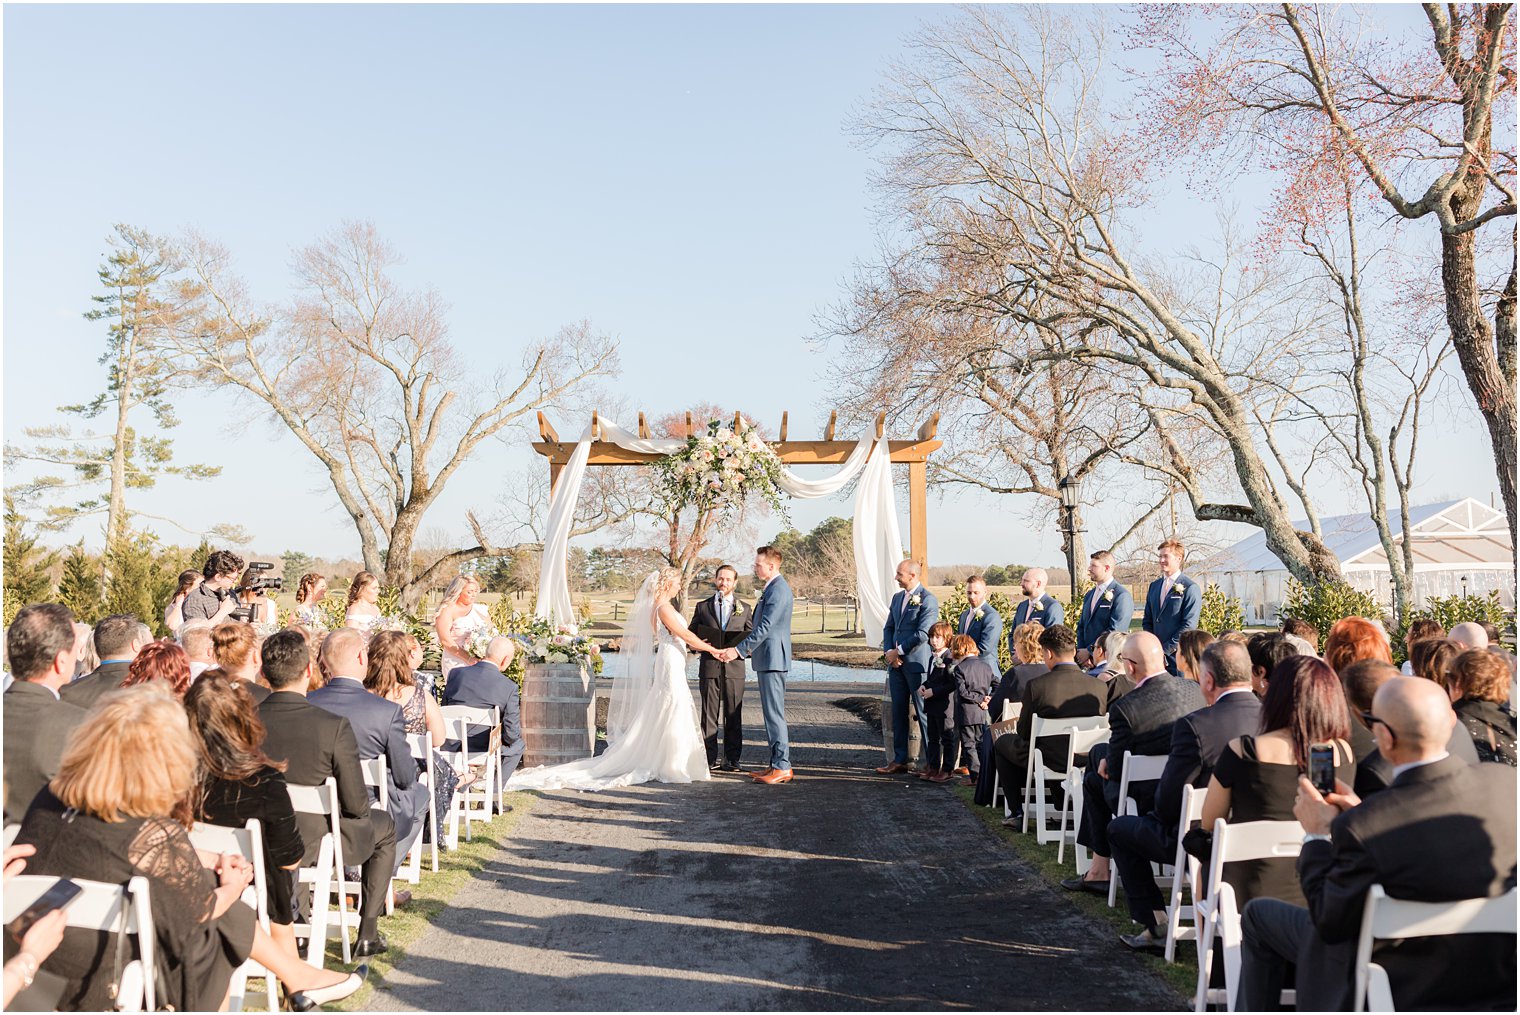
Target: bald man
(1468, 635)
(1037, 605)
(1444, 830)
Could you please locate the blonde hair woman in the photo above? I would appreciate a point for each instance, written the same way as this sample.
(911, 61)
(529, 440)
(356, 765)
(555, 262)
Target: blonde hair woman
(118, 809)
(651, 724)
(459, 617)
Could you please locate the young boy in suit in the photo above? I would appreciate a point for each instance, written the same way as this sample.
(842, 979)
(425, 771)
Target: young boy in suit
(939, 701)
(974, 678)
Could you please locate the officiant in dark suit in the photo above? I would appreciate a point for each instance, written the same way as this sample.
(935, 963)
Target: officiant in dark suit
(723, 621)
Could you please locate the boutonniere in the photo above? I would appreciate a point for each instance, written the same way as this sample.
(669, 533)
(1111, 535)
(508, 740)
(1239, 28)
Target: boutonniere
(1177, 590)
(915, 600)
(1108, 596)
(978, 615)
(738, 607)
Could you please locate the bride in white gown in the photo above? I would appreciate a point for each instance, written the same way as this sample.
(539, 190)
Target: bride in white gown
(652, 731)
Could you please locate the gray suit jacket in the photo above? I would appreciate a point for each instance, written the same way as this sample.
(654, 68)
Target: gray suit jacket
(37, 727)
(86, 691)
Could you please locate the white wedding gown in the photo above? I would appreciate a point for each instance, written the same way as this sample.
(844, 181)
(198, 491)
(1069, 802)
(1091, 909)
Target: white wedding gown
(658, 740)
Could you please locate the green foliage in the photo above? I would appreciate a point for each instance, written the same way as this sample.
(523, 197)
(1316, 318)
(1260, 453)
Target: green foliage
(1005, 574)
(295, 564)
(80, 589)
(1449, 611)
(141, 577)
(1325, 602)
(27, 566)
(1220, 612)
(389, 604)
(951, 607)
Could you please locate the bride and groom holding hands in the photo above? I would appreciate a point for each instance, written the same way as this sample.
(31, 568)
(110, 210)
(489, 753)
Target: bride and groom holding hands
(651, 727)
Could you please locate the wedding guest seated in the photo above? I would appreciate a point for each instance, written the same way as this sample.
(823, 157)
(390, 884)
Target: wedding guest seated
(1114, 675)
(1469, 635)
(317, 744)
(1190, 646)
(1430, 658)
(1267, 649)
(239, 781)
(1028, 663)
(1141, 722)
(174, 618)
(379, 730)
(1373, 771)
(1239, 637)
(1301, 628)
(118, 809)
(1420, 629)
(1479, 684)
(1354, 638)
(160, 660)
(943, 746)
(1443, 831)
(118, 639)
(1198, 739)
(40, 646)
(484, 684)
(235, 646)
(393, 658)
(973, 683)
(195, 638)
(1062, 692)
(1256, 777)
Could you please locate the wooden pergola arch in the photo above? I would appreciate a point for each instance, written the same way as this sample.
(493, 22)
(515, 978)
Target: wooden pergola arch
(828, 451)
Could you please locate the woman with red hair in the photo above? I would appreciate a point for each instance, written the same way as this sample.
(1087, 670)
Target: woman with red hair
(1353, 639)
(161, 660)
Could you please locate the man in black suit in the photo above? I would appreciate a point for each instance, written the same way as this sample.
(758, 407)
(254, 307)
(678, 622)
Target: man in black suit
(316, 744)
(722, 620)
(118, 639)
(1140, 722)
(1361, 681)
(1065, 692)
(486, 685)
(379, 730)
(40, 645)
(1443, 831)
(1198, 738)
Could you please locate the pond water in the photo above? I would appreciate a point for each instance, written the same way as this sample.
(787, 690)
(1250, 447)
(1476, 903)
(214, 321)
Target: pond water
(803, 671)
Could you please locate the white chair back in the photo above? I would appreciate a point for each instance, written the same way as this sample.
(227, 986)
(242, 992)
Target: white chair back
(327, 874)
(1386, 918)
(377, 777)
(247, 842)
(99, 907)
(1137, 768)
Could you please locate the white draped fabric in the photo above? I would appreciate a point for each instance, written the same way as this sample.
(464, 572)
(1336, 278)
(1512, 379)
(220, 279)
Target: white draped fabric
(878, 539)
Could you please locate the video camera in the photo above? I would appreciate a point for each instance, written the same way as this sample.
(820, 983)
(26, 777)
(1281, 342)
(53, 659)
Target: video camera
(256, 582)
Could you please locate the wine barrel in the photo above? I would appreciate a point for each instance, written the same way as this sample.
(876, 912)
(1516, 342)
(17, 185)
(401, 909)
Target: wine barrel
(558, 713)
(915, 736)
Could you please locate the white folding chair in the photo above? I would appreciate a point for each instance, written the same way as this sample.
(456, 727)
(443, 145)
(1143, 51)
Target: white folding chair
(480, 796)
(1081, 741)
(377, 776)
(421, 746)
(1185, 876)
(1218, 916)
(113, 909)
(1037, 774)
(1386, 918)
(247, 842)
(327, 872)
(1011, 711)
(1137, 768)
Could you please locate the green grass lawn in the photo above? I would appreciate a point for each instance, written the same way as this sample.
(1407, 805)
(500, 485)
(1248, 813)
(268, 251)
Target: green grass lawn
(1182, 974)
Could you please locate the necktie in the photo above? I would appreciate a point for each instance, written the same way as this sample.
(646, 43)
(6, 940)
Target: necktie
(966, 624)
(1166, 590)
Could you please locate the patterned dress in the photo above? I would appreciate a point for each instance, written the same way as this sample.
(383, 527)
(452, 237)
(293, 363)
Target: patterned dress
(445, 779)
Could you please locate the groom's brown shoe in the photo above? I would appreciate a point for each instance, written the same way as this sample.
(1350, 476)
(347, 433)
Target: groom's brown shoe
(775, 776)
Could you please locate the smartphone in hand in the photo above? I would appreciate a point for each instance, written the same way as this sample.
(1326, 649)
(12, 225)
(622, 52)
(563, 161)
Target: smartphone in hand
(1322, 768)
(59, 896)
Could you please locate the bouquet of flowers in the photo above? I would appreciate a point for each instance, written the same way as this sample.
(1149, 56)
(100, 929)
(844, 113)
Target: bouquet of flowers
(389, 622)
(479, 640)
(719, 470)
(313, 618)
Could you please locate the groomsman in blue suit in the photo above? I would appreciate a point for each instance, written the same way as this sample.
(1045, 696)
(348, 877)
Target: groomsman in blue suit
(979, 620)
(1108, 607)
(1038, 606)
(1172, 603)
(905, 640)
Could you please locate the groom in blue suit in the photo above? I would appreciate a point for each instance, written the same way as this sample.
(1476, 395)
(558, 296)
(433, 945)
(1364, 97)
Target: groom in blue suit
(979, 620)
(905, 640)
(1173, 603)
(769, 649)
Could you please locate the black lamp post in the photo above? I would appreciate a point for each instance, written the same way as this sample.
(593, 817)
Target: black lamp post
(1464, 586)
(1071, 497)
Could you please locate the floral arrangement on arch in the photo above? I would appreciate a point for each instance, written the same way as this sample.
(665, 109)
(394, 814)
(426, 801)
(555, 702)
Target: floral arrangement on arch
(718, 470)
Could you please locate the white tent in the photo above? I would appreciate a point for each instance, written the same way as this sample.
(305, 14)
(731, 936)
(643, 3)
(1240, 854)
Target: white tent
(1460, 546)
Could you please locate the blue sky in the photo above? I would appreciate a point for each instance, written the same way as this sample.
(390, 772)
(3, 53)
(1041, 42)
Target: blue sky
(679, 176)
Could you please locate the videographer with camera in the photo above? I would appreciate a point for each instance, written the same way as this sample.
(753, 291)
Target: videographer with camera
(223, 597)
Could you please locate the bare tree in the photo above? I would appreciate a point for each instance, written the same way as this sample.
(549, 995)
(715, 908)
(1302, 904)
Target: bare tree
(998, 148)
(363, 374)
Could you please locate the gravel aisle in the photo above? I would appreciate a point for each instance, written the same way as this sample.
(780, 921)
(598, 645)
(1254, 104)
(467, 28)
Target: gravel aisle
(842, 890)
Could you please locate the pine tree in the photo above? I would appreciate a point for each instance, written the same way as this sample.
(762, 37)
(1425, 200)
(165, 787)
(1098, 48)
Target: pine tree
(79, 589)
(27, 566)
(140, 578)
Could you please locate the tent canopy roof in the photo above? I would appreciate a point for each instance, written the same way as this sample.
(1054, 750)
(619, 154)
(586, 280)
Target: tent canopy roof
(1453, 534)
